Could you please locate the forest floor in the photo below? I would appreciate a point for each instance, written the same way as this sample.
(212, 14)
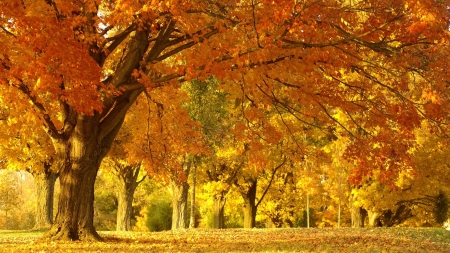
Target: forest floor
(243, 240)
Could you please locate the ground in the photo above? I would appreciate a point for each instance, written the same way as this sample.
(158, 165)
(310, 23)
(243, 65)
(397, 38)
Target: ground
(243, 240)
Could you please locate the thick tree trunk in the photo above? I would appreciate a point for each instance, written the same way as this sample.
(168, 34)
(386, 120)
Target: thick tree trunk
(218, 211)
(78, 158)
(124, 208)
(81, 141)
(127, 186)
(45, 187)
(250, 207)
(74, 220)
(374, 218)
(358, 215)
(180, 194)
(179, 203)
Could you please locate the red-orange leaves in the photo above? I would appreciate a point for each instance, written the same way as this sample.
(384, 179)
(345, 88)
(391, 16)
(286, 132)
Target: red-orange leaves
(435, 112)
(417, 27)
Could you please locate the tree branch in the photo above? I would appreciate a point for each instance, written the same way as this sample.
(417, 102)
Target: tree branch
(160, 42)
(8, 32)
(290, 109)
(117, 112)
(51, 130)
(137, 46)
(187, 45)
(335, 120)
(270, 182)
(117, 39)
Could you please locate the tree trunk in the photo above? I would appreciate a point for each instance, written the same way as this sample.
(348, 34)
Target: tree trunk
(179, 202)
(78, 157)
(45, 187)
(358, 216)
(81, 141)
(194, 185)
(74, 220)
(374, 219)
(218, 211)
(127, 186)
(250, 207)
(180, 189)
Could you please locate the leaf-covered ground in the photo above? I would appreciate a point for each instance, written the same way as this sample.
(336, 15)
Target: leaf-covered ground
(240, 240)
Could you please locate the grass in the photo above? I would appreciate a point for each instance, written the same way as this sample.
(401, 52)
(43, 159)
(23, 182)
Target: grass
(243, 240)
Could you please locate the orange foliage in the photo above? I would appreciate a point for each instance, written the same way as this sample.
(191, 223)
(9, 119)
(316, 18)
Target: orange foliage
(371, 59)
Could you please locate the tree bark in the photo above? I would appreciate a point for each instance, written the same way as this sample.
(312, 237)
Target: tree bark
(74, 220)
(250, 207)
(218, 211)
(179, 202)
(249, 195)
(45, 187)
(127, 186)
(374, 218)
(180, 189)
(78, 157)
(358, 215)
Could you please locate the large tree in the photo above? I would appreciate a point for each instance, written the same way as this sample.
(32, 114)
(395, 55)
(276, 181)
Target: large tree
(80, 65)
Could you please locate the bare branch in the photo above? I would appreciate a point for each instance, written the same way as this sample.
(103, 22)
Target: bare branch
(117, 39)
(116, 113)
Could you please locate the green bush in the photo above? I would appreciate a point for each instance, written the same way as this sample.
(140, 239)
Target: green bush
(302, 221)
(235, 220)
(159, 214)
(105, 214)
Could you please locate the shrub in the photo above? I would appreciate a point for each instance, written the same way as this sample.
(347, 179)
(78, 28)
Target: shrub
(441, 208)
(159, 215)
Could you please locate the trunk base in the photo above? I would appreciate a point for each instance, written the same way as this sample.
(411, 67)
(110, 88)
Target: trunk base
(64, 233)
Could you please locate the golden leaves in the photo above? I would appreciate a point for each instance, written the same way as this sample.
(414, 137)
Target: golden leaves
(231, 240)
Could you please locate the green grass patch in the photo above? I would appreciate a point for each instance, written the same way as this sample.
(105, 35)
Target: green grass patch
(242, 240)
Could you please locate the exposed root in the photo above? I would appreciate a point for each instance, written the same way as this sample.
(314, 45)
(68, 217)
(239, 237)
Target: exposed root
(64, 233)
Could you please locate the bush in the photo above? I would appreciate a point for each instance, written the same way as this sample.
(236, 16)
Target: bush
(159, 214)
(441, 208)
(302, 221)
(105, 215)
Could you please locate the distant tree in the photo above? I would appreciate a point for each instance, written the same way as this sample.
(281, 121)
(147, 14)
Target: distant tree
(9, 194)
(127, 168)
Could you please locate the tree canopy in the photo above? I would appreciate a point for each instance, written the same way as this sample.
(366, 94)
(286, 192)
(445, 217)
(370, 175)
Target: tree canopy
(370, 70)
